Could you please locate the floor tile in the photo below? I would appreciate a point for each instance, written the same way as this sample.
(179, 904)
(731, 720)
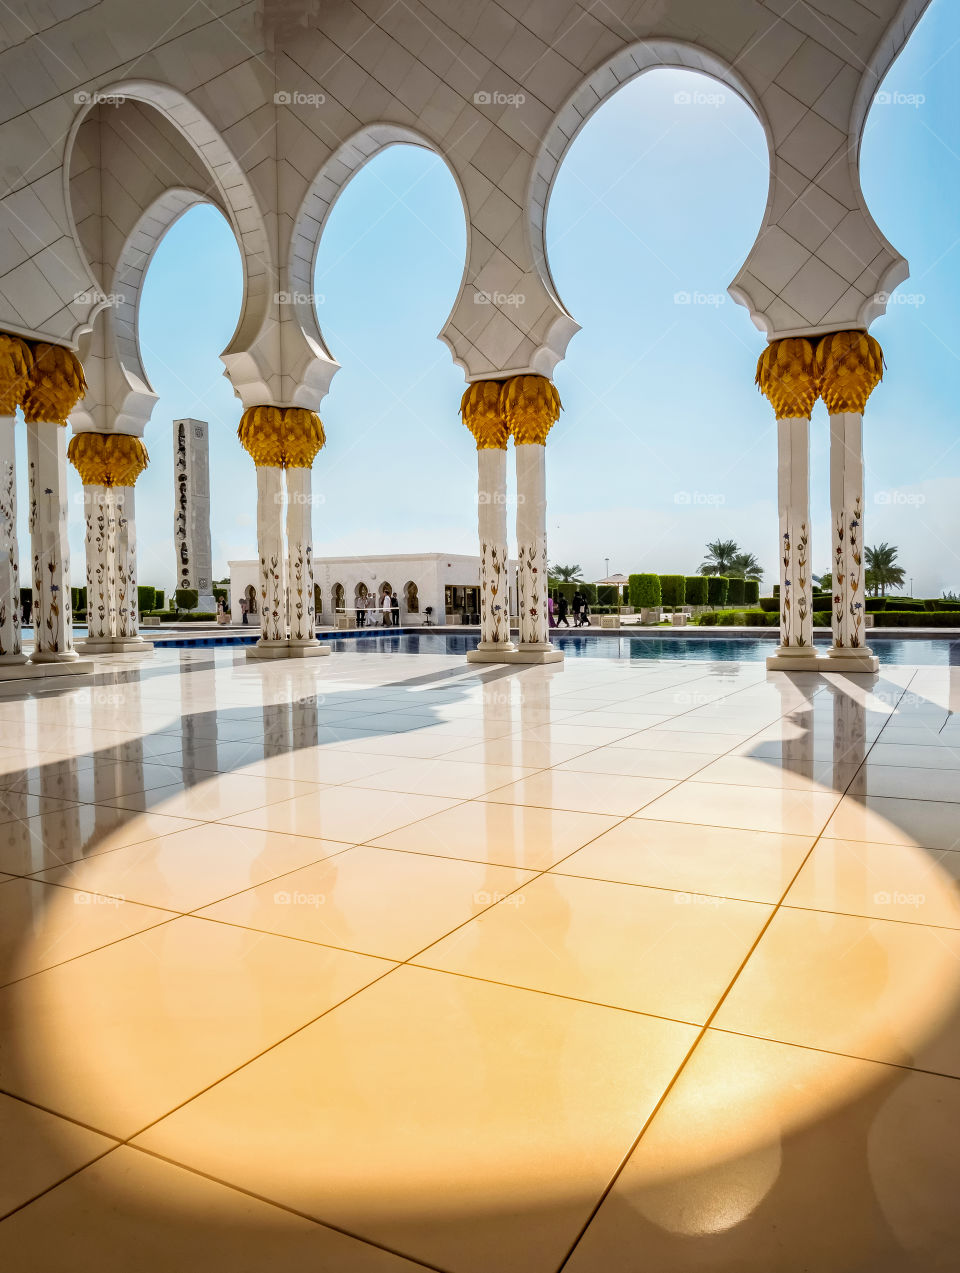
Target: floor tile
(193, 868)
(506, 835)
(908, 783)
(935, 757)
(666, 740)
(886, 881)
(649, 950)
(457, 779)
(41, 925)
(794, 773)
(753, 808)
(873, 988)
(17, 806)
(148, 1022)
(52, 839)
(480, 1172)
(343, 813)
(47, 1150)
(768, 1157)
(215, 796)
(636, 762)
(932, 824)
(133, 1211)
(320, 765)
(518, 751)
(756, 866)
(371, 900)
(582, 792)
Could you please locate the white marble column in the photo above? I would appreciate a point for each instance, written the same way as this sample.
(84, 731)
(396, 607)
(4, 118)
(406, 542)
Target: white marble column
(849, 646)
(11, 649)
(532, 555)
(494, 573)
(128, 608)
(101, 544)
(796, 583)
(270, 545)
(49, 543)
(301, 613)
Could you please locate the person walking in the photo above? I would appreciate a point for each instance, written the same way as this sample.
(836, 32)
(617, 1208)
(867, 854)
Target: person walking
(550, 619)
(243, 613)
(361, 610)
(562, 607)
(395, 609)
(385, 606)
(577, 607)
(585, 614)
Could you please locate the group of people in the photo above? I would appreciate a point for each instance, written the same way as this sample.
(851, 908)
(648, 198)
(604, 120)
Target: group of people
(368, 611)
(559, 613)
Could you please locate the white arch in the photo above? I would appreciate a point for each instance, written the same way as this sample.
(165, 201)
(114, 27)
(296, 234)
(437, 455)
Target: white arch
(234, 195)
(593, 92)
(314, 213)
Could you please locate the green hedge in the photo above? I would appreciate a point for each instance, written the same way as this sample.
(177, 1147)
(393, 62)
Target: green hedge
(146, 598)
(717, 586)
(586, 590)
(608, 594)
(78, 599)
(695, 590)
(187, 598)
(751, 592)
(906, 603)
(940, 604)
(770, 604)
(644, 591)
(161, 600)
(197, 616)
(672, 590)
(875, 604)
(708, 619)
(735, 592)
(822, 618)
(912, 619)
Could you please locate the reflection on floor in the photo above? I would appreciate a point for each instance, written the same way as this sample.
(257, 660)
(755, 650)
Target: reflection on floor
(391, 963)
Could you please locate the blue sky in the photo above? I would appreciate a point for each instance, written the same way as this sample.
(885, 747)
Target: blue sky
(664, 442)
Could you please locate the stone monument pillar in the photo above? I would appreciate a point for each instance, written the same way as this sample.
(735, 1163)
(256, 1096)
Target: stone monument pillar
(191, 521)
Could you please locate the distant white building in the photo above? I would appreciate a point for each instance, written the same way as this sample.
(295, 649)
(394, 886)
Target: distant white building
(449, 583)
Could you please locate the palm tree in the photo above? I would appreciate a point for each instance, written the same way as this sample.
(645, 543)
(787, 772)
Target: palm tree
(745, 566)
(566, 574)
(882, 570)
(720, 554)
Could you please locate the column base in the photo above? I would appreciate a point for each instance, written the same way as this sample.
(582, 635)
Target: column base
(841, 658)
(12, 660)
(793, 658)
(27, 671)
(491, 652)
(535, 652)
(114, 645)
(286, 650)
(54, 656)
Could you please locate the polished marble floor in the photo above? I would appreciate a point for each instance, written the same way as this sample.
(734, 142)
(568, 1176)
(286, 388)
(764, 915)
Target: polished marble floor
(386, 963)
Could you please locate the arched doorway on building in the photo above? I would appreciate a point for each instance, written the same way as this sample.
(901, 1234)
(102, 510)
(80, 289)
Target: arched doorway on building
(338, 599)
(250, 597)
(411, 597)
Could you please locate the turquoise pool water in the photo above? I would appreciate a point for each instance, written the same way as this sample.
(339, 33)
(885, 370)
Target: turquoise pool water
(942, 652)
